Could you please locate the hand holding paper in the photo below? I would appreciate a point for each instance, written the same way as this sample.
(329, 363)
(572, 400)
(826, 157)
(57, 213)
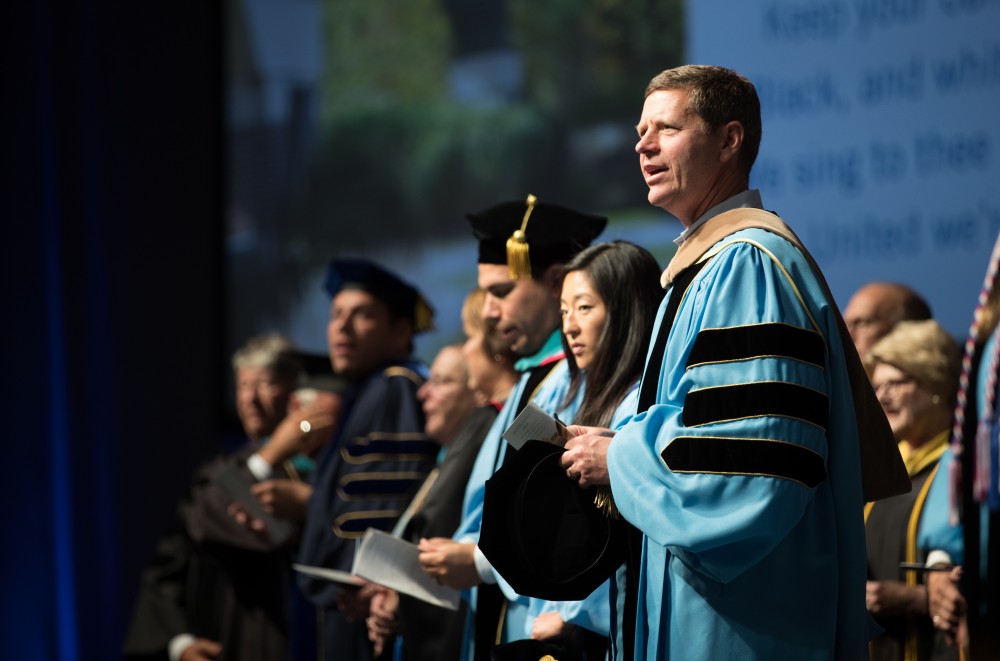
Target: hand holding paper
(248, 510)
(534, 424)
(394, 563)
(586, 456)
(449, 562)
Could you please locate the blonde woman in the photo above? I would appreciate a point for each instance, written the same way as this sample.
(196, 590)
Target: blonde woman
(914, 371)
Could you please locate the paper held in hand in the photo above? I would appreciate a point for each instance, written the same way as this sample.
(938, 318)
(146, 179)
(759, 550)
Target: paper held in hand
(394, 563)
(236, 484)
(534, 424)
(335, 575)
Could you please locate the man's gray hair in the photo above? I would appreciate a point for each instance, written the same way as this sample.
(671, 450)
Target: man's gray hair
(271, 351)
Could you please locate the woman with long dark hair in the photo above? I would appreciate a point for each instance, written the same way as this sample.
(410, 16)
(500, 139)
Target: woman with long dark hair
(617, 282)
(609, 299)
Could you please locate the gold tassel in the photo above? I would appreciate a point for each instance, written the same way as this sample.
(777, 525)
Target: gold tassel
(518, 260)
(605, 501)
(423, 316)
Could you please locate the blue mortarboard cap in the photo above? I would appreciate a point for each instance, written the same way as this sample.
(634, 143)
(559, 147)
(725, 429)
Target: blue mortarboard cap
(402, 298)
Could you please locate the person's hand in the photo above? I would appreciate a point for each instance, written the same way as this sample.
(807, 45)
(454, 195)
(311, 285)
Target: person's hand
(894, 598)
(251, 523)
(586, 455)
(548, 626)
(947, 606)
(285, 499)
(449, 562)
(202, 649)
(383, 620)
(355, 603)
(304, 430)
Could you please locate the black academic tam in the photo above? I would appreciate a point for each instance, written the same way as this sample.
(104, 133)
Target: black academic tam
(543, 533)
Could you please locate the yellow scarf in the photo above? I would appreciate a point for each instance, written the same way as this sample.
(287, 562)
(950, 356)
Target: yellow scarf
(917, 460)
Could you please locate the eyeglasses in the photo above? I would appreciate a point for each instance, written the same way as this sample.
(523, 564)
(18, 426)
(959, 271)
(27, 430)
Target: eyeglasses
(443, 381)
(858, 323)
(892, 385)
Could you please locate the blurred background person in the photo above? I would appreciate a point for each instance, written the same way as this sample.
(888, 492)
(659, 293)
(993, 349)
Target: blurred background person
(876, 307)
(489, 360)
(468, 386)
(314, 409)
(380, 454)
(216, 588)
(914, 371)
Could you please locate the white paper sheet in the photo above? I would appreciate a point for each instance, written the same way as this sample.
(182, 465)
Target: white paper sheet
(534, 424)
(335, 575)
(394, 563)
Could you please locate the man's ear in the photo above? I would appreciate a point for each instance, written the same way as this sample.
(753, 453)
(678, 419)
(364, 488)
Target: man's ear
(732, 141)
(553, 278)
(402, 334)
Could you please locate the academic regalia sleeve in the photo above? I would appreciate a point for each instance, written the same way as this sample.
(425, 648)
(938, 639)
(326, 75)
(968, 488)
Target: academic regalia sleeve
(367, 476)
(592, 613)
(723, 465)
(208, 518)
(626, 409)
(441, 511)
(160, 611)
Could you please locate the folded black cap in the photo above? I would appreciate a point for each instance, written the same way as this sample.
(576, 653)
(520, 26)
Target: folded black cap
(543, 533)
(402, 298)
(530, 236)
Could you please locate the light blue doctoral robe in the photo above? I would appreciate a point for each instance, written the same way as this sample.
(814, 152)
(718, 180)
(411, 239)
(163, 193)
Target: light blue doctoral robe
(521, 612)
(744, 475)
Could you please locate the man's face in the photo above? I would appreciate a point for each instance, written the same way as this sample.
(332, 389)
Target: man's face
(868, 316)
(680, 159)
(261, 400)
(524, 311)
(361, 334)
(446, 397)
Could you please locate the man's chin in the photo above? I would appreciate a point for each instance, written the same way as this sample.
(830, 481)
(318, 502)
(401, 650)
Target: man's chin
(254, 431)
(525, 347)
(349, 369)
(519, 347)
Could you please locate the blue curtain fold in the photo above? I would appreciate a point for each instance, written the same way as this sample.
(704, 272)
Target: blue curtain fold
(113, 288)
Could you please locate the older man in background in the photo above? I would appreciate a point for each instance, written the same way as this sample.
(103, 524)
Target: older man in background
(218, 588)
(877, 307)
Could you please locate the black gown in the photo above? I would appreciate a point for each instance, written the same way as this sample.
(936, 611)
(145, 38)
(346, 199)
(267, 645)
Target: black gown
(364, 478)
(212, 578)
(886, 538)
(429, 632)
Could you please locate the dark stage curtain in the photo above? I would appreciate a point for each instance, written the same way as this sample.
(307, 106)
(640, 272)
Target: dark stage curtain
(113, 300)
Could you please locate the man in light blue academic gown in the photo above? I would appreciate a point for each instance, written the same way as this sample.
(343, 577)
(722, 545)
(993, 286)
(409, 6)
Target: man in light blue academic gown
(522, 249)
(742, 468)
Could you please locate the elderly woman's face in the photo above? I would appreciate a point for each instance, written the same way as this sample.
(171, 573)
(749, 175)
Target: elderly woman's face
(907, 405)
